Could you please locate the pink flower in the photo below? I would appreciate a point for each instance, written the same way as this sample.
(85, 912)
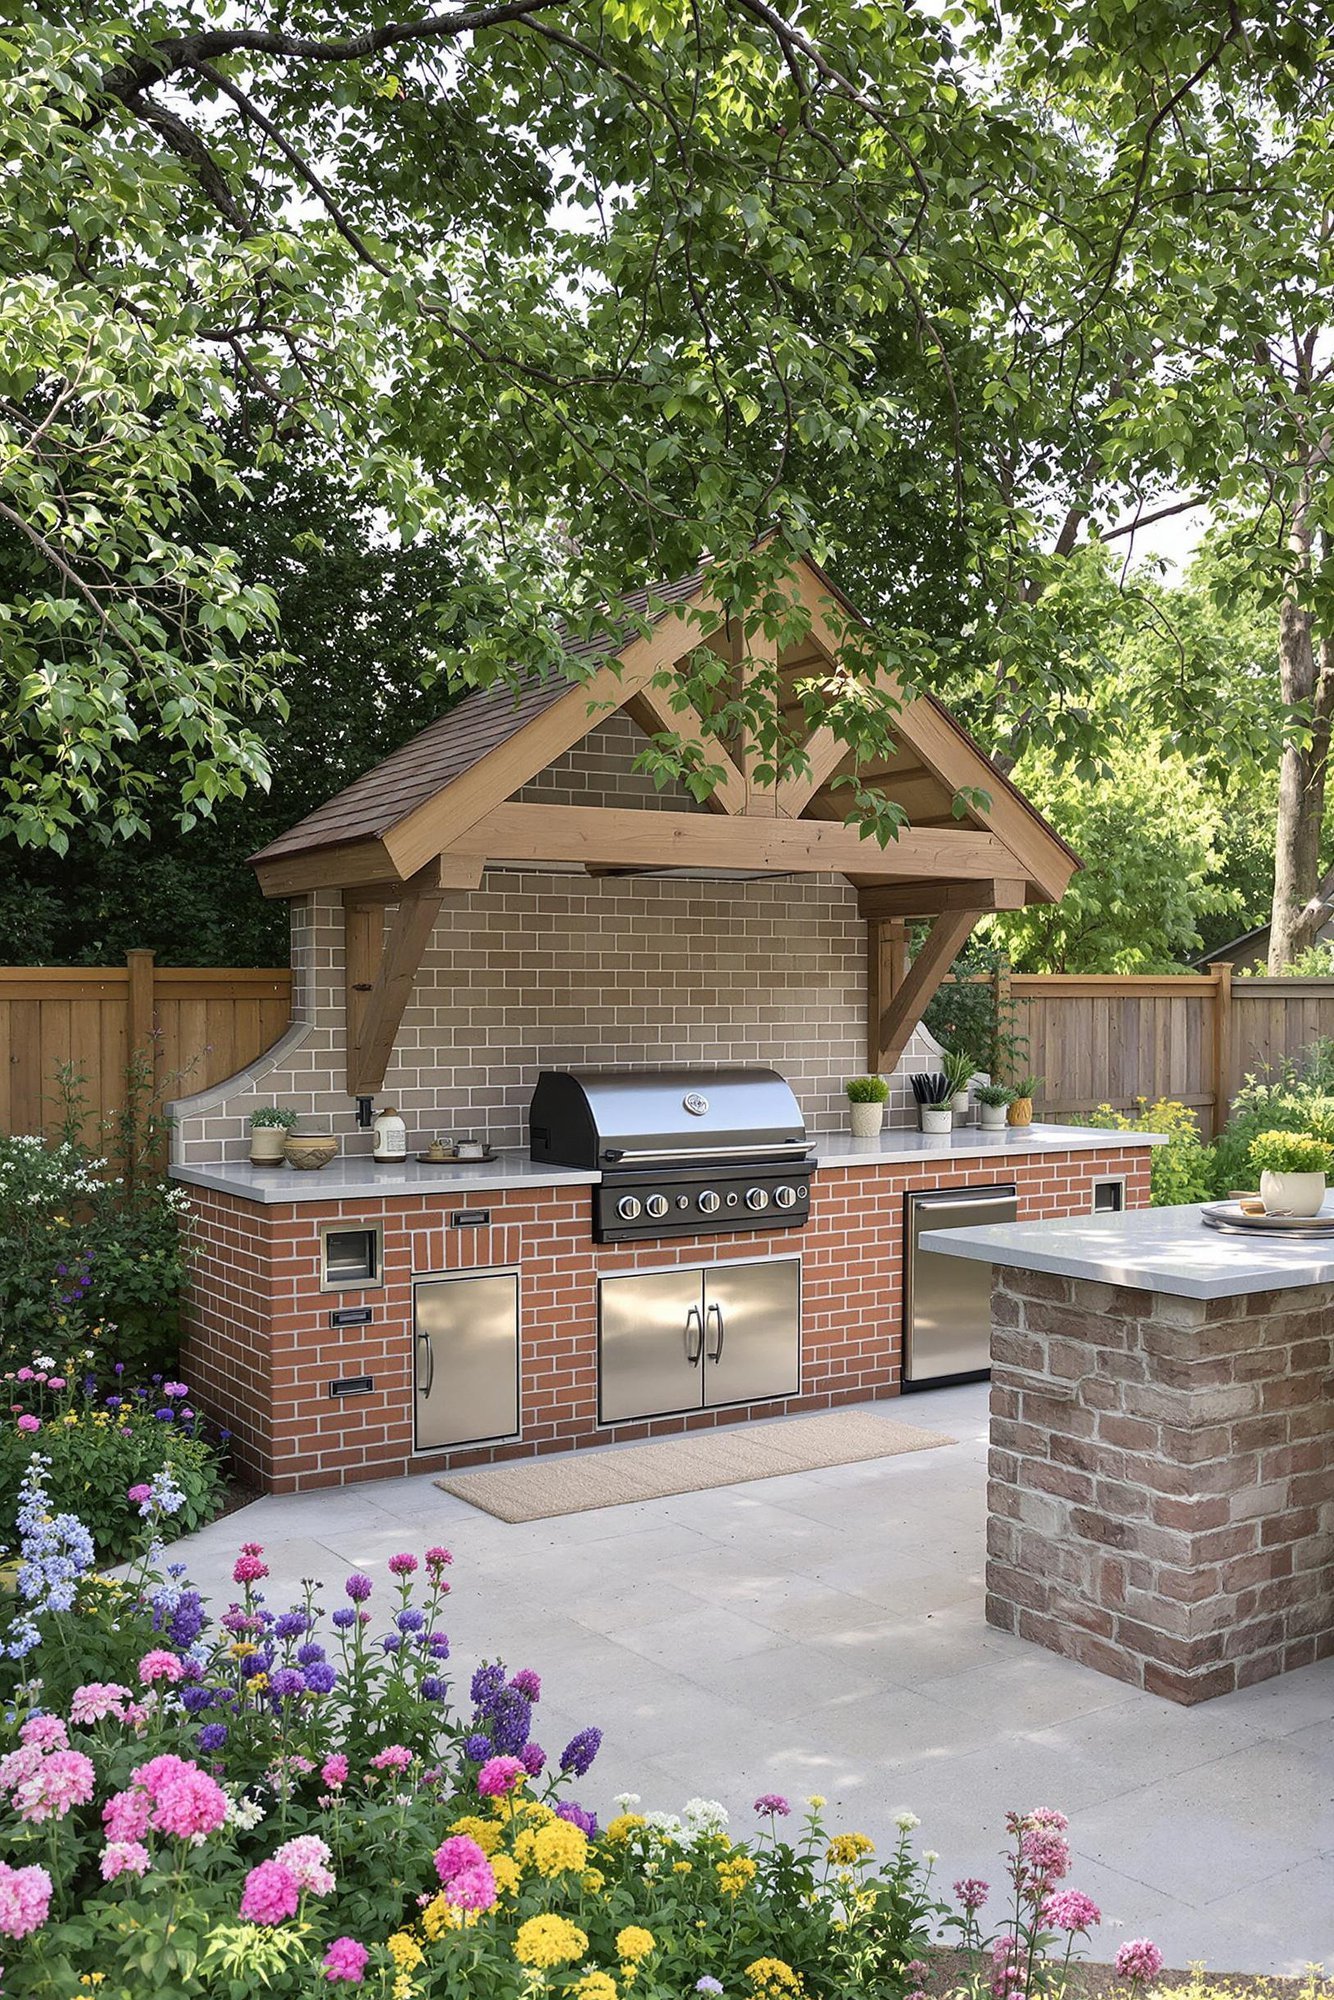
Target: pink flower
(97, 1699)
(45, 1732)
(455, 1855)
(248, 1568)
(25, 1898)
(56, 1382)
(1046, 1852)
(123, 1857)
(24, 1375)
(19, 1764)
(773, 1802)
(473, 1888)
(334, 1770)
(972, 1892)
(1071, 1910)
(270, 1894)
(189, 1804)
(139, 1494)
(403, 1565)
(528, 1684)
(308, 1859)
(437, 1559)
(1138, 1959)
(346, 1959)
(160, 1665)
(125, 1814)
(500, 1775)
(30, 1423)
(394, 1757)
(62, 1780)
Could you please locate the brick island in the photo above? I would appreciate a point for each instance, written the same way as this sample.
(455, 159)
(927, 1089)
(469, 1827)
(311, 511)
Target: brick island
(1161, 1491)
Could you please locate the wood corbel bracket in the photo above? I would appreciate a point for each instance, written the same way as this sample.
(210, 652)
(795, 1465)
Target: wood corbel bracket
(382, 962)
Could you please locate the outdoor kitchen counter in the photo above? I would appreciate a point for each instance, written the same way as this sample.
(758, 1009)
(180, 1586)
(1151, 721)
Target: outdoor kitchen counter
(900, 1146)
(350, 1176)
(1161, 1490)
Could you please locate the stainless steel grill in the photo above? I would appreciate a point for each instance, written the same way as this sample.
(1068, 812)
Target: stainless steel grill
(681, 1152)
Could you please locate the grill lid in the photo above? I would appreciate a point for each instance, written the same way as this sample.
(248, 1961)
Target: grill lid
(595, 1118)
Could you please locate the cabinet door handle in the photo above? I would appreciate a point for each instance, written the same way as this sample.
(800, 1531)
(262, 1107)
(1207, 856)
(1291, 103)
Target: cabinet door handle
(697, 1356)
(425, 1388)
(717, 1353)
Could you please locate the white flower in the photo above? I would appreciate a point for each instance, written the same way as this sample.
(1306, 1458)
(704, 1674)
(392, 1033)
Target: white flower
(245, 1813)
(906, 1821)
(930, 1856)
(703, 1817)
(627, 1801)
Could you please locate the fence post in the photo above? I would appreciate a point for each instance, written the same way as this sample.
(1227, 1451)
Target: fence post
(1003, 1050)
(1222, 1044)
(139, 1017)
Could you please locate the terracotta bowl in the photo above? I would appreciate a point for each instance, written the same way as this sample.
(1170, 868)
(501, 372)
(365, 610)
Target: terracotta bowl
(311, 1152)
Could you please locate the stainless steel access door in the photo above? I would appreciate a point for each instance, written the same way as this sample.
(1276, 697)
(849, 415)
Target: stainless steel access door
(465, 1358)
(651, 1346)
(752, 1321)
(947, 1300)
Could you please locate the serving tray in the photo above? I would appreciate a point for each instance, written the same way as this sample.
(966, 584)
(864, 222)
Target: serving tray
(453, 1159)
(1232, 1218)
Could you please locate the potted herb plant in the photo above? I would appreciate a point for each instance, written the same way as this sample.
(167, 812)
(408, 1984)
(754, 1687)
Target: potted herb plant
(1293, 1168)
(1020, 1110)
(269, 1127)
(993, 1101)
(957, 1066)
(866, 1104)
(933, 1093)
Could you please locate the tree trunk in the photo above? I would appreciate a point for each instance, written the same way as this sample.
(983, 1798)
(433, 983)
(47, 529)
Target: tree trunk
(1306, 679)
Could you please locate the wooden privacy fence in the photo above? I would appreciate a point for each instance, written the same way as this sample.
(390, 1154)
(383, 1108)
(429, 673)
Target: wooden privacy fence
(200, 1024)
(1111, 1040)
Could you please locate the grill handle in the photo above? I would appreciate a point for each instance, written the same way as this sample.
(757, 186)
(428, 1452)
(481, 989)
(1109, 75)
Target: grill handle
(719, 1156)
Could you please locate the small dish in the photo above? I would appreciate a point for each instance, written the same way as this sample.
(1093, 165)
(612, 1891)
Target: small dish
(453, 1159)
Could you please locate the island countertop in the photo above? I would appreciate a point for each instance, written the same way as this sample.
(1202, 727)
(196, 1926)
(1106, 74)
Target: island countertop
(1171, 1250)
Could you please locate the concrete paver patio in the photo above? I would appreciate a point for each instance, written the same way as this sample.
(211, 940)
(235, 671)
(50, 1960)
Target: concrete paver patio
(823, 1632)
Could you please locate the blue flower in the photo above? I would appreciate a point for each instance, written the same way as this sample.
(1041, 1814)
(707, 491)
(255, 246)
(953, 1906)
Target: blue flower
(433, 1688)
(284, 1681)
(391, 1642)
(291, 1625)
(310, 1654)
(477, 1747)
(437, 1645)
(410, 1620)
(213, 1735)
(321, 1677)
(344, 1617)
(486, 1685)
(577, 1756)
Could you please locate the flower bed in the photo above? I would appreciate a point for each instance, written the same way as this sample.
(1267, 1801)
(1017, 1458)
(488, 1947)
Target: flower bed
(291, 1803)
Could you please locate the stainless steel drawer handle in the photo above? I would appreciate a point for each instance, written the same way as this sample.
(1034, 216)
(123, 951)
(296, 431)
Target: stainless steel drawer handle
(695, 1357)
(424, 1388)
(717, 1353)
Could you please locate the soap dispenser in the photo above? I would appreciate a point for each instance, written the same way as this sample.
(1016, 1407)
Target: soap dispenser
(390, 1142)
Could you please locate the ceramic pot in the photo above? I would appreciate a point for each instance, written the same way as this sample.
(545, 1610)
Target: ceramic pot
(959, 1104)
(867, 1120)
(993, 1116)
(268, 1145)
(1020, 1112)
(937, 1118)
(311, 1153)
(1292, 1194)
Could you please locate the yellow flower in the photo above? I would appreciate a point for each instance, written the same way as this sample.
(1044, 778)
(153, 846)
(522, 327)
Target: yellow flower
(845, 1850)
(681, 1868)
(484, 1831)
(506, 1873)
(595, 1986)
(71, 1418)
(591, 1881)
(736, 1873)
(624, 1825)
(405, 1951)
(439, 1915)
(240, 1650)
(773, 1979)
(402, 1987)
(634, 1943)
(816, 1800)
(549, 1940)
(557, 1849)
(92, 1979)
(534, 1812)
(257, 1683)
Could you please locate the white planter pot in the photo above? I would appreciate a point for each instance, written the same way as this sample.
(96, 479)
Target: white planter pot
(867, 1120)
(268, 1144)
(1292, 1194)
(992, 1116)
(959, 1104)
(937, 1118)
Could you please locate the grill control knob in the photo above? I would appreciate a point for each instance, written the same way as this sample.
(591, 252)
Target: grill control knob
(757, 1198)
(710, 1201)
(786, 1197)
(656, 1206)
(628, 1207)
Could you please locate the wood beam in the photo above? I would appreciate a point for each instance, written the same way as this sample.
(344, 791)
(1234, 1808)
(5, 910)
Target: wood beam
(658, 709)
(891, 1029)
(446, 871)
(407, 937)
(825, 752)
(932, 899)
(886, 970)
(624, 837)
(351, 864)
(363, 948)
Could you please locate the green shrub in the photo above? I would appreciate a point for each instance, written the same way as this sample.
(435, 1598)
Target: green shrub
(1290, 1153)
(866, 1090)
(1179, 1172)
(1265, 1107)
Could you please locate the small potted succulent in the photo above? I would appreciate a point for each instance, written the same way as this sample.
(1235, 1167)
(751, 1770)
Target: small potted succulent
(1293, 1168)
(269, 1127)
(1020, 1110)
(957, 1065)
(933, 1093)
(994, 1100)
(866, 1104)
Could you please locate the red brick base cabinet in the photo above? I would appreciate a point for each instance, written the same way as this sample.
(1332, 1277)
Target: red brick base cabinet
(261, 1355)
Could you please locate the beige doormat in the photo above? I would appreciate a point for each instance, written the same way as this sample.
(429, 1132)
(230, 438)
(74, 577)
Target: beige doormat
(536, 1489)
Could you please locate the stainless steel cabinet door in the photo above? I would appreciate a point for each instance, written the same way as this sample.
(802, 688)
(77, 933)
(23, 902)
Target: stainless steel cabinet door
(947, 1318)
(466, 1358)
(752, 1330)
(650, 1341)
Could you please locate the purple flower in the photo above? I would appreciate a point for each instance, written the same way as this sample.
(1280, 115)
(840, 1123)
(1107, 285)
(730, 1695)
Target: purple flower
(410, 1620)
(510, 1721)
(213, 1735)
(175, 1389)
(528, 1684)
(486, 1685)
(344, 1617)
(434, 1689)
(477, 1747)
(114, 1402)
(773, 1802)
(358, 1587)
(577, 1756)
(708, 1985)
(587, 1822)
(194, 1700)
(119, 1368)
(165, 1416)
(534, 1757)
(284, 1681)
(291, 1625)
(321, 1677)
(437, 1645)
(391, 1642)
(309, 1654)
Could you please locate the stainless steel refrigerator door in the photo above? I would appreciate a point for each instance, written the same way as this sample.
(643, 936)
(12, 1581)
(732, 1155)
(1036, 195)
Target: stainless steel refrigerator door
(466, 1358)
(650, 1344)
(752, 1330)
(947, 1300)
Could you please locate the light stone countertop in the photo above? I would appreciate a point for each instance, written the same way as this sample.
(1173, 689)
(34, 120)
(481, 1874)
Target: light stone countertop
(352, 1176)
(1168, 1250)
